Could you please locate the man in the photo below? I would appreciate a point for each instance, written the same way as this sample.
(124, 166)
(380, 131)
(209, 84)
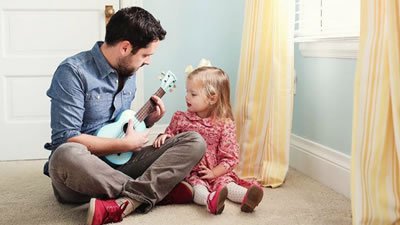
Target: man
(88, 91)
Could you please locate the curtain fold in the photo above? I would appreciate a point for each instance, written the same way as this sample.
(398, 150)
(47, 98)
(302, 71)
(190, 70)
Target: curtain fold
(264, 96)
(376, 116)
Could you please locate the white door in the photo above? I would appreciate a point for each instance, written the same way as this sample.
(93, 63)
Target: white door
(35, 36)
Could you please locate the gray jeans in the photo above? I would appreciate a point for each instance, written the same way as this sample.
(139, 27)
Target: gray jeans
(148, 177)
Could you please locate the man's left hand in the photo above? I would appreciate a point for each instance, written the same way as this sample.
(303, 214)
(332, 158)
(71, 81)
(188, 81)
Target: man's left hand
(158, 113)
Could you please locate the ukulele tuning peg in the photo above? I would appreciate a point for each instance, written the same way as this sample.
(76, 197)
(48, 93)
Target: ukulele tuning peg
(162, 75)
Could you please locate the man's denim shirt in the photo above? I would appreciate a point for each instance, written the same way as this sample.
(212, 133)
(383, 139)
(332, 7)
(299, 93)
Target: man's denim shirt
(84, 96)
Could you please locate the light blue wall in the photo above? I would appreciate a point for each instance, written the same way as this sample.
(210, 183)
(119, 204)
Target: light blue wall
(195, 29)
(323, 104)
(212, 29)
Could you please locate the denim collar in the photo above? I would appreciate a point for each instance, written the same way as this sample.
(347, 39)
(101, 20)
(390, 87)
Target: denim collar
(102, 65)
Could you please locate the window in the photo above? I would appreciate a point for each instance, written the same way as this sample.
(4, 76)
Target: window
(328, 28)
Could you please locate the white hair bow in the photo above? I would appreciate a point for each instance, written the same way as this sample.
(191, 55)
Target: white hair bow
(203, 62)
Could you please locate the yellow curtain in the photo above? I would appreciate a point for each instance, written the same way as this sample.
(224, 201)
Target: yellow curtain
(264, 97)
(376, 118)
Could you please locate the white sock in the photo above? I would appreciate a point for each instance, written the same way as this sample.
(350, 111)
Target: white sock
(200, 194)
(236, 192)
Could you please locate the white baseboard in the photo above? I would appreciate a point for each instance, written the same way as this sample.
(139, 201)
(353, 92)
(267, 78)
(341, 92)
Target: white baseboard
(327, 166)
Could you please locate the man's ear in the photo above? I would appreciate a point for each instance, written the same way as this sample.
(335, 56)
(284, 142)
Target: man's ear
(125, 48)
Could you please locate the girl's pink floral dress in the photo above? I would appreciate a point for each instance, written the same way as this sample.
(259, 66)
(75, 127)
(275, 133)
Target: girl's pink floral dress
(222, 147)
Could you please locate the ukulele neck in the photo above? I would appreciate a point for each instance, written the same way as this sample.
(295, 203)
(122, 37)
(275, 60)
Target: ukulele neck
(149, 106)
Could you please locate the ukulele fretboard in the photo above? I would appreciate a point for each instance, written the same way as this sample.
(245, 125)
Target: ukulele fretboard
(148, 106)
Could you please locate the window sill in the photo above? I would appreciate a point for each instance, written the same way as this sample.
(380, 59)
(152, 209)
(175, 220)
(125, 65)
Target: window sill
(330, 47)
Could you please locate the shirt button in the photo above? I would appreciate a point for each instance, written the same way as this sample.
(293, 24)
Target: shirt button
(98, 96)
(116, 81)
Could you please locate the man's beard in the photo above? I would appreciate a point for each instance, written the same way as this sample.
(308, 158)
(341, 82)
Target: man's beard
(123, 70)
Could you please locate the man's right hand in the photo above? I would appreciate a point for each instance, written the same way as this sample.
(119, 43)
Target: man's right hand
(100, 146)
(135, 140)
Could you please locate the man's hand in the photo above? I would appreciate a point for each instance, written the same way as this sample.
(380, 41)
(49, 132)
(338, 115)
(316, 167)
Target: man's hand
(160, 140)
(158, 113)
(135, 140)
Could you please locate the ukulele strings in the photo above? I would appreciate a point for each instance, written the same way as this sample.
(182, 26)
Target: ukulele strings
(149, 105)
(139, 116)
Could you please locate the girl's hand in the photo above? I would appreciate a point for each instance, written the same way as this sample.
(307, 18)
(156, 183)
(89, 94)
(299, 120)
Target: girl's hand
(206, 173)
(160, 140)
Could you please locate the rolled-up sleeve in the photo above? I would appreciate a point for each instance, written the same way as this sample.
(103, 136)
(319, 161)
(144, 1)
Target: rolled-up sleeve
(172, 128)
(67, 104)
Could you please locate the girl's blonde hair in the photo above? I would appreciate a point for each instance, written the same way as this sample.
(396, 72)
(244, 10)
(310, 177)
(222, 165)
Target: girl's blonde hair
(215, 83)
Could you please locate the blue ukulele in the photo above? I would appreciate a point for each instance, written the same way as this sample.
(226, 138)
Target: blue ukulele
(117, 129)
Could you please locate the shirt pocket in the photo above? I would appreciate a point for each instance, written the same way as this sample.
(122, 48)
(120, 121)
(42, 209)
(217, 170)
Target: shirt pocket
(98, 109)
(127, 98)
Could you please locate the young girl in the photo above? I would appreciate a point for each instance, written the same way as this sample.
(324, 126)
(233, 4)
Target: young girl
(209, 113)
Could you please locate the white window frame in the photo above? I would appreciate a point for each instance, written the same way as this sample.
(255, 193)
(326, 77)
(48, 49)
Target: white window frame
(336, 44)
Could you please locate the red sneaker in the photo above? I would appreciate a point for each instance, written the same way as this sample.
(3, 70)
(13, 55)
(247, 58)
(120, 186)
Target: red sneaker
(104, 211)
(182, 193)
(216, 200)
(252, 198)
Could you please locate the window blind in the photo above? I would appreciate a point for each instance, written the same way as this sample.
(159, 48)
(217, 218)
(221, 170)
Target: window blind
(320, 19)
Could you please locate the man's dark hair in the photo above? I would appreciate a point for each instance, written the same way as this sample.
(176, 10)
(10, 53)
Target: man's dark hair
(135, 25)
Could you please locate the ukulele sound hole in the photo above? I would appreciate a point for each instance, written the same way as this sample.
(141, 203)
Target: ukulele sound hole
(125, 127)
